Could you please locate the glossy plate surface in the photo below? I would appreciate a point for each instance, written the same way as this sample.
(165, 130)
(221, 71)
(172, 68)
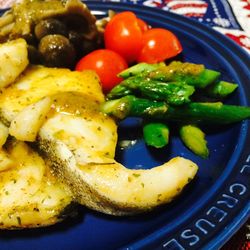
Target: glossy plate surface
(212, 207)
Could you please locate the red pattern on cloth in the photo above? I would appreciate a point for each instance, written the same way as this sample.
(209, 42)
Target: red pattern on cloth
(239, 39)
(192, 14)
(185, 5)
(190, 8)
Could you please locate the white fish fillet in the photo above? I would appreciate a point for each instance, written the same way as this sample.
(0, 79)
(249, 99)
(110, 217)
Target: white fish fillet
(80, 143)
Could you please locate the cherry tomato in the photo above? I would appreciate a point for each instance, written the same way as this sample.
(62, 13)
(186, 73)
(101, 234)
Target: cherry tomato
(106, 63)
(158, 45)
(124, 35)
(142, 24)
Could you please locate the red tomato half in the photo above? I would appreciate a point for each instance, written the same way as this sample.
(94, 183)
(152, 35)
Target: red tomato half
(106, 63)
(124, 35)
(158, 45)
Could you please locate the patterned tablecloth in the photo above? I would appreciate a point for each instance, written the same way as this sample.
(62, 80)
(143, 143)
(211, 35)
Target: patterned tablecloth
(230, 17)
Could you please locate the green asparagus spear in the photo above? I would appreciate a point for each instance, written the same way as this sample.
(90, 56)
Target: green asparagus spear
(132, 106)
(173, 93)
(191, 113)
(140, 68)
(156, 134)
(194, 139)
(221, 89)
(189, 73)
(118, 91)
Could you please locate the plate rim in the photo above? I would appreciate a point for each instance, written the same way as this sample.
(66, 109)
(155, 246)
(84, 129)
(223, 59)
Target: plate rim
(219, 241)
(242, 55)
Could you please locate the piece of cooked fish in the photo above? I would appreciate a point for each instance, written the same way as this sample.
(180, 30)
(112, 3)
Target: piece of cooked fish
(39, 207)
(4, 133)
(26, 124)
(37, 82)
(29, 195)
(13, 60)
(80, 142)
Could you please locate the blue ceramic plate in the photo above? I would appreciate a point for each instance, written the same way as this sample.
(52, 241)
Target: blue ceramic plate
(212, 207)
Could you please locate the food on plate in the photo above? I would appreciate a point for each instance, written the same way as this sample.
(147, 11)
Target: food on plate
(111, 188)
(29, 195)
(70, 140)
(37, 82)
(140, 68)
(156, 134)
(142, 24)
(183, 93)
(4, 133)
(13, 60)
(6, 162)
(163, 93)
(123, 35)
(26, 124)
(193, 74)
(45, 200)
(72, 143)
(221, 89)
(194, 138)
(107, 64)
(69, 25)
(133, 39)
(66, 117)
(57, 51)
(193, 112)
(50, 26)
(158, 44)
(173, 83)
(174, 93)
(176, 71)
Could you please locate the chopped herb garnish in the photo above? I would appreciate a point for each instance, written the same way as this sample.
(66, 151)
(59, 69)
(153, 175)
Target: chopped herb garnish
(136, 175)
(19, 220)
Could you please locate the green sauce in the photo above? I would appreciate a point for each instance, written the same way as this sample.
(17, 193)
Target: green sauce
(181, 69)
